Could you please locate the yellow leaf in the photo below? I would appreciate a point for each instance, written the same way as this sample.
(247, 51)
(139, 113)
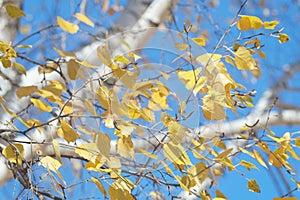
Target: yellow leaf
(50, 163)
(212, 108)
(20, 68)
(103, 143)
(262, 54)
(158, 101)
(87, 64)
(243, 24)
(121, 59)
(253, 186)
(67, 132)
(134, 56)
(246, 22)
(200, 171)
(168, 169)
(150, 155)
(272, 160)
(176, 153)
(6, 63)
(24, 46)
(209, 59)
(220, 196)
(259, 158)
(286, 198)
(64, 54)
(42, 106)
(271, 24)
(73, 68)
(244, 60)
(13, 11)
(119, 191)
(88, 151)
(224, 154)
(90, 107)
(25, 91)
(199, 41)
(14, 153)
(125, 147)
(99, 185)
(104, 55)
(189, 78)
(248, 165)
(84, 19)
(67, 26)
(283, 38)
(55, 145)
(181, 47)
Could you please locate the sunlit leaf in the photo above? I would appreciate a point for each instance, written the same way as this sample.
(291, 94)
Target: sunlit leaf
(73, 69)
(68, 132)
(259, 158)
(25, 91)
(14, 153)
(199, 41)
(282, 37)
(20, 68)
(118, 191)
(253, 186)
(56, 149)
(42, 106)
(246, 22)
(88, 151)
(99, 185)
(13, 11)
(181, 47)
(176, 154)
(103, 143)
(51, 164)
(104, 55)
(150, 155)
(67, 26)
(64, 54)
(244, 60)
(87, 64)
(270, 25)
(248, 165)
(220, 196)
(84, 19)
(125, 147)
(200, 171)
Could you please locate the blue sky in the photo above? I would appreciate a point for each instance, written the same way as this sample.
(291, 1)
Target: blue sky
(233, 184)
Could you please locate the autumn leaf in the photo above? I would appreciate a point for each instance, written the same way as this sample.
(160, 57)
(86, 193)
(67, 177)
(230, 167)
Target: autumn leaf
(253, 186)
(176, 154)
(67, 26)
(270, 25)
(26, 91)
(199, 41)
(244, 60)
(283, 38)
(99, 185)
(13, 11)
(73, 69)
(14, 153)
(42, 106)
(68, 132)
(246, 22)
(84, 19)
(125, 146)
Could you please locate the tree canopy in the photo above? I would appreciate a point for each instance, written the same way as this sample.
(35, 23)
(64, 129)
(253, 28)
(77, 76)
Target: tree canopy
(153, 99)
